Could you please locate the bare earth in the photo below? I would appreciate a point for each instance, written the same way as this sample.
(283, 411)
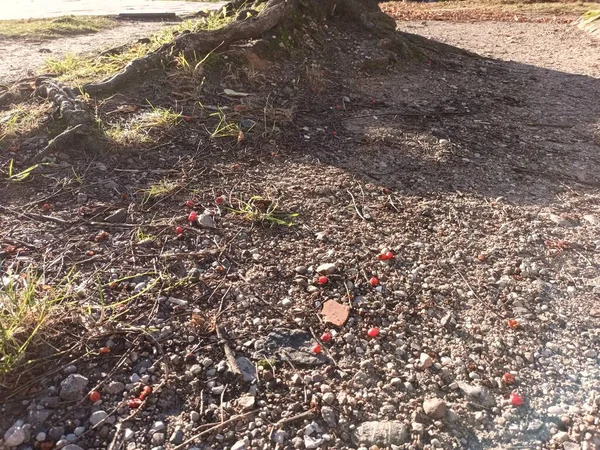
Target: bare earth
(23, 57)
(553, 46)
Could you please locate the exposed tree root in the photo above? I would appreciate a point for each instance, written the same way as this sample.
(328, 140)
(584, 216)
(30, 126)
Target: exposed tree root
(201, 42)
(74, 111)
(366, 14)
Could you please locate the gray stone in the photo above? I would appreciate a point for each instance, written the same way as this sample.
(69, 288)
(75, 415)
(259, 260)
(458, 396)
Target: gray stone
(128, 435)
(206, 221)
(79, 431)
(560, 437)
(38, 416)
(16, 435)
(246, 402)
(177, 436)
(158, 439)
(294, 346)
(239, 445)
(118, 216)
(114, 387)
(98, 416)
(312, 443)
(560, 221)
(327, 268)
(594, 220)
(329, 416)
(72, 447)
(247, 124)
(247, 368)
(41, 436)
(82, 198)
(56, 432)
(477, 394)
(435, 408)
(72, 388)
(570, 445)
(71, 437)
(383, 433)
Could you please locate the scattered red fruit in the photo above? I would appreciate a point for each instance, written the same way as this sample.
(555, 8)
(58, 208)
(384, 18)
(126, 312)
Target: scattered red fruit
(386, 255)
(373, 332)
(134, 403)
(513, 323)
(193, 216)
(374, 281)
(11, 249)
(145, 392)
(104, 350)
(186, 118)
(326, 337)
(317, 349)
(179, 230)
(322, 280)
(46, 207)
(101, 236)
(219, 200)
(190, 203)
(314, 89)
(516, 399)
(482, 257)
(334, 133)
(508, 378)
(94, 396)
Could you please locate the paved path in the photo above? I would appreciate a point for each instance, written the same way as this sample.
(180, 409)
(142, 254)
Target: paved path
(26, 9)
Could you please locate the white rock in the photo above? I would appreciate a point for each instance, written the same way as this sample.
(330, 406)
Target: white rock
(326, 269)
(40, 437)
(425, 360)
(97, 417)
(128, 434)
(15, 435)
(239, 445)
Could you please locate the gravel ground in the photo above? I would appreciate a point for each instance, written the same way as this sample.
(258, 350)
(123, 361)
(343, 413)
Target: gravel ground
(24, 57)
(549, 45)
(444, 260)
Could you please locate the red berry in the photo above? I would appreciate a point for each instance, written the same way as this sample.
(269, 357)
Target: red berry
(508, 378)
(94, 396)
(386, 255)
(373, 332)
(193, 216)
(374, 281)
(190, 203)
(322, 280)
(334, 133)
(179, 230)
(326, 337)
(516, 399)
(145, 392)
(134, 403)
(316, 349)
(219, 200)
(104, 350)
(513, 323)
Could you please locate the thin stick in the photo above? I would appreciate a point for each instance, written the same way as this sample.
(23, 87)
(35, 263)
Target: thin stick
(355, 207)
(229, 354)
(213, 428)
(306, 415)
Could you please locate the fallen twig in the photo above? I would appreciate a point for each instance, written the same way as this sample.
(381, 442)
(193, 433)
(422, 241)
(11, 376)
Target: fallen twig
(229, 354)
(214, 427)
